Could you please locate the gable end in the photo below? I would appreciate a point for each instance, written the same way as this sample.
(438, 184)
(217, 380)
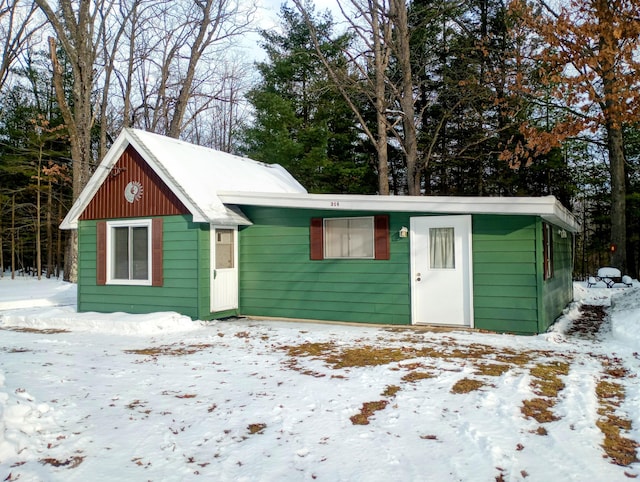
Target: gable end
(153, 199)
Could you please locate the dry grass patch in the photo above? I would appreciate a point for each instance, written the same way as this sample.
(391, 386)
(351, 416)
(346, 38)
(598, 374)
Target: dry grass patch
(367, 411)
(492, 370)
(254, 428)
(170, 350)
(547, 384)
(44, 331)
(466, 385)
(70, 463)
(621, 450)
(547, 380)
(539, 409)
(415, 376)
(390, 391)
(363, 356)
(367, 355)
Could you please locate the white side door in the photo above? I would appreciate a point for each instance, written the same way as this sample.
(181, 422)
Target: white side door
(224, 268)
(441, 272)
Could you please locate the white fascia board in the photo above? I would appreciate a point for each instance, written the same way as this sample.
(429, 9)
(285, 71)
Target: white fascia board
(127, 137)
(547, 207)
(70, 221)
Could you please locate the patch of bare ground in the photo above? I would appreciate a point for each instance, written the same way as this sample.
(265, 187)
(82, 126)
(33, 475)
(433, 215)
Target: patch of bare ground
(169, 350)
(366, 411)
(547, 384)
(390, 391)
(492, 369)
(620, 449)
(254, 428)
(70, 463)
(414, 376)
(337, 357)
(589, 323)
(44, 331)
(466, 385)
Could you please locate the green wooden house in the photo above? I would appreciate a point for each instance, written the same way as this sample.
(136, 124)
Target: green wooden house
(164, 225)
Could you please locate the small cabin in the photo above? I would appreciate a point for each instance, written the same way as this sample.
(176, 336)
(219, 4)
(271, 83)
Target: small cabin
(164, 225)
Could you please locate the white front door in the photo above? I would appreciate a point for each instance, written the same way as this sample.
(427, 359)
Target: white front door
(441, 286)
(224, 268)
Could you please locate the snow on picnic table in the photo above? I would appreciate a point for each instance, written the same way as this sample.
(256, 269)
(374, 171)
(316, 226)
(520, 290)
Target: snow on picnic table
(88, 396)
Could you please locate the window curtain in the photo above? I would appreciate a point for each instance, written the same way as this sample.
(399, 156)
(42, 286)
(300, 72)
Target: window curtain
(442, 248)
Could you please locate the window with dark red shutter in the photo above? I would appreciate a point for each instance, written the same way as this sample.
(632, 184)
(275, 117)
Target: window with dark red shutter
(349, 238)
(130, 252)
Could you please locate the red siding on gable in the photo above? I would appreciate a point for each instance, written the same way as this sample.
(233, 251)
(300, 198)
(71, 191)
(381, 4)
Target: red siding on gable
(156, 199)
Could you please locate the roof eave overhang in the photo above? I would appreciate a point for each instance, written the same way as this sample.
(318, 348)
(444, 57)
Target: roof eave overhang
(127, 137)
(547, 207)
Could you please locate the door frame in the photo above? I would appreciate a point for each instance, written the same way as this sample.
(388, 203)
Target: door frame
(213, 271)
(467, 268)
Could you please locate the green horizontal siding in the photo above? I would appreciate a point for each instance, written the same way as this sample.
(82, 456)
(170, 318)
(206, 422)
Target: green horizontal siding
(557, 291)
(505, 273)
(278, 279)
(186, 284)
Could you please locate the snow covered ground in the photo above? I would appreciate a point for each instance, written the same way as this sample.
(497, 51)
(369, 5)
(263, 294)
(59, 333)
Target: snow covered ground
(159, 397)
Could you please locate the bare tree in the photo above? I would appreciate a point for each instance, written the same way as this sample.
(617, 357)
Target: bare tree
(174, 60)
(17, 26)
(404, 93)
(381, 30)
(79, 29)
(225, 113)
(366, 76)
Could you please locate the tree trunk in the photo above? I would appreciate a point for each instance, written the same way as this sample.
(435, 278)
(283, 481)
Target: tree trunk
(618, 198)
(201, 42)
(71, 257)
(403, 52)
(58, 261)
(1, 253)
(38, 222)
(49, 230)
(13, 236)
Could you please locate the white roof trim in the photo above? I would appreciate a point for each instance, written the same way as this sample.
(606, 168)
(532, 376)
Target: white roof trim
(193, 173)
(548, 207)
(127, 137)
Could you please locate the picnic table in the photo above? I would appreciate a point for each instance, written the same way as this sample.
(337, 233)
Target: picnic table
(609, 276)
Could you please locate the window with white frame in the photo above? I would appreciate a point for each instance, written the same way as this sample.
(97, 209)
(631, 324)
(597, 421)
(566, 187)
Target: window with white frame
(349, 237)
(129, 252)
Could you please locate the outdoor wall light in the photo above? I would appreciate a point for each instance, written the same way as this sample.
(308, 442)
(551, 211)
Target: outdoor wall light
(562, 233)
(404, 232)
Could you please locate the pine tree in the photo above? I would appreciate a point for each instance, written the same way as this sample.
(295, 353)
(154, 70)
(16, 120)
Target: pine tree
(301, 121)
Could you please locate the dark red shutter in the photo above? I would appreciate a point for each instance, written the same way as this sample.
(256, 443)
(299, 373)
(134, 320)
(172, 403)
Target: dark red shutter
(316, 239)
(101, 253)
(381, 237)
(156, 252)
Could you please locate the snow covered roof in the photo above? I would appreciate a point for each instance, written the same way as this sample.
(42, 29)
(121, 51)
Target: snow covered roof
(547, 207)
(194, 173)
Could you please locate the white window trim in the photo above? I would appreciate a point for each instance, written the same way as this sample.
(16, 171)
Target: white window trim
(373, 235)
(129, 223)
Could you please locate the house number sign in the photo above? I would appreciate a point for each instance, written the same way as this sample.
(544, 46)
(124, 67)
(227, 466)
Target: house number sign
(133, 191)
